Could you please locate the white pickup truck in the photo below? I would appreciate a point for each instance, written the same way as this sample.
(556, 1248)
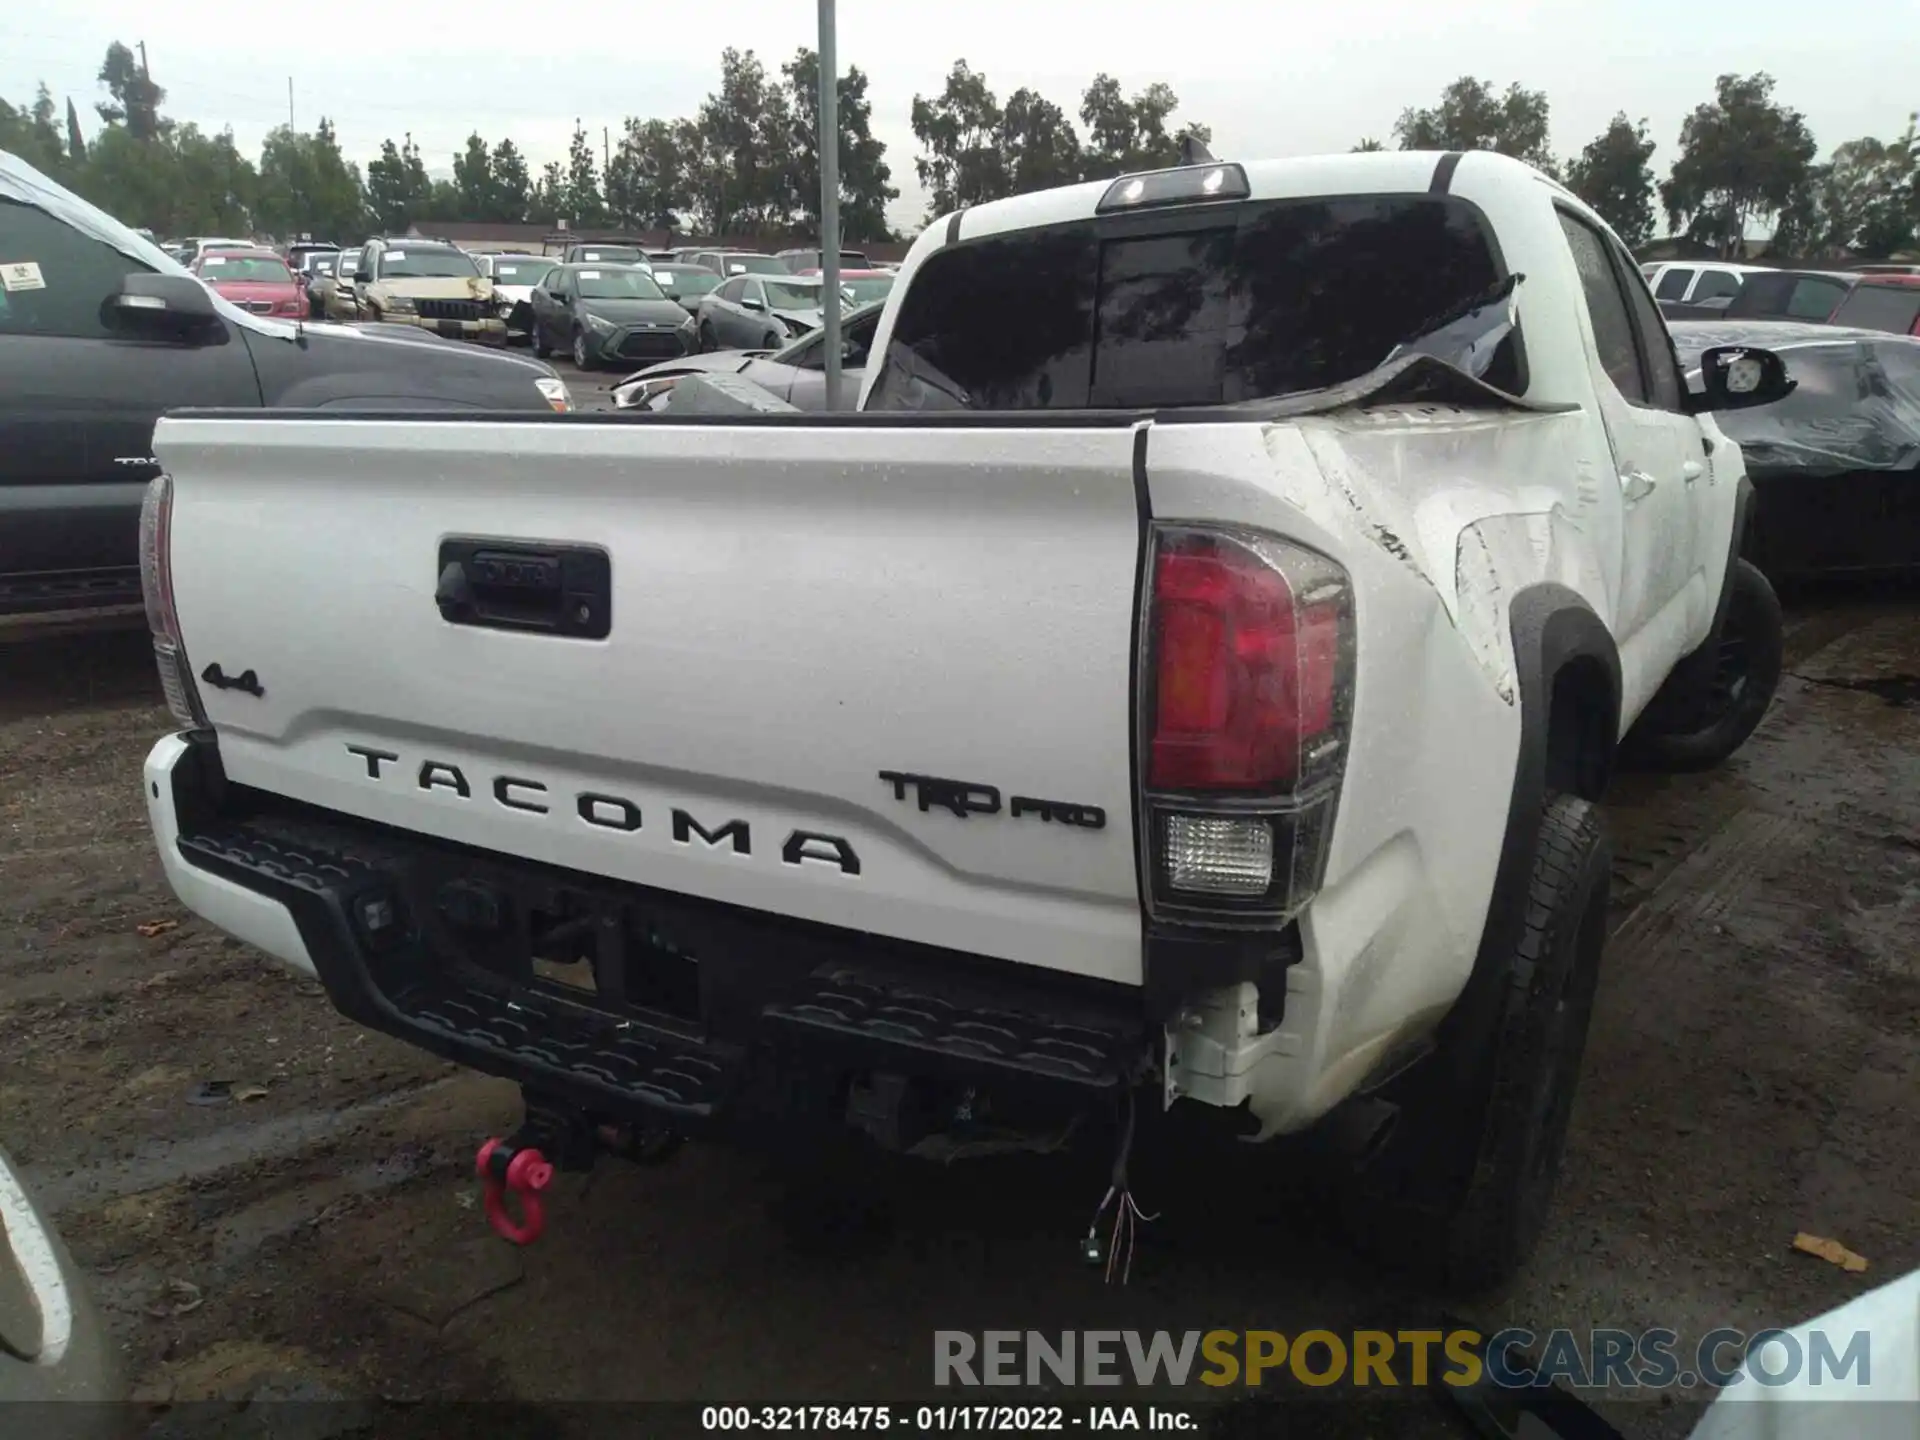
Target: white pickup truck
(1187, 681)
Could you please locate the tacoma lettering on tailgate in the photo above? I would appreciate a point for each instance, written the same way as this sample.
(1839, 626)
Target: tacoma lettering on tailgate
(608, 812)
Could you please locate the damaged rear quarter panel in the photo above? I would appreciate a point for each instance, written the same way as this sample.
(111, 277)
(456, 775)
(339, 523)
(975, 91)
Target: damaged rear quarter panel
(1478, 504)
(1440, 514)
(1420, 812)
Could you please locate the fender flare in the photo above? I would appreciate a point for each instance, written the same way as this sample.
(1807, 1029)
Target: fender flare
(1552, 627)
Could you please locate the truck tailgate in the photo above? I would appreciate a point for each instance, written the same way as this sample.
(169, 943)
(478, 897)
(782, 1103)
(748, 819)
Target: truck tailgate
(794, 610)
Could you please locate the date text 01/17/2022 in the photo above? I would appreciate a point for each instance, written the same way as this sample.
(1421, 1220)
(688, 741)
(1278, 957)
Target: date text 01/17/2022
(960, 1418)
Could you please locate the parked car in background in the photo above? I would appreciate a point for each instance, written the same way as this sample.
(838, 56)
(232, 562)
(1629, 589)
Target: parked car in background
(684, 284)
(1887, 269)
(1706, 286)
(796, 374)
(514, 277)
(602, 313)
(255, 280)
(662, 257)
(1832, 463)
(1881, 302)
(53, 1343)
(428, 283)
(330, 293)
(590, 252)
(806, 262)
(758, 312)
(120, 333)
(739, 262)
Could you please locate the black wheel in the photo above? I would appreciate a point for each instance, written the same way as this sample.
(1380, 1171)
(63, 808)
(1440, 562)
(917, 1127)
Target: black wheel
(1731, 695)
(1459, 1189)
(534, 342)
(581, 358)
(708, 340)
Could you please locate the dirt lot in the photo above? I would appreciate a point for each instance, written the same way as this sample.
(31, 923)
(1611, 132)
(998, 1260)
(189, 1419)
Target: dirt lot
(1751, 1073)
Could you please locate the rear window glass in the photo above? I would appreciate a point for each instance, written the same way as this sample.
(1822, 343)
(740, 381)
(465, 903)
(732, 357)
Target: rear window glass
(1272, 299)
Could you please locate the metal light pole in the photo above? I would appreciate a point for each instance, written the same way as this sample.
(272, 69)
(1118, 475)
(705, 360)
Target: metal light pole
(829, 146)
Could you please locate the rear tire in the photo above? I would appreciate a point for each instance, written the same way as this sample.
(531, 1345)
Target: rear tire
(1505, 1133)
(1749, 655)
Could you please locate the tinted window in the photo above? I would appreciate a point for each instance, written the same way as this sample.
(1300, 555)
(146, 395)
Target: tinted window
(75, 275)
(1606, 307)
(1814, 297)
(1673, 284)
(1276, 298)
(1714, 284)
(733, 289)
(1656, 344)
(1880, 307)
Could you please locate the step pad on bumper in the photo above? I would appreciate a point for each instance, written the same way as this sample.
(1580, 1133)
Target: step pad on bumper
(526, 1036)
(862, 1008)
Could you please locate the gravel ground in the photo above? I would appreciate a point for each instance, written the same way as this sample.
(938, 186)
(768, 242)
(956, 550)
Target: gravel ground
(1750, 1074)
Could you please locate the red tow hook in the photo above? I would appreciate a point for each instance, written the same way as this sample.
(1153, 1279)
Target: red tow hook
(523, 1171)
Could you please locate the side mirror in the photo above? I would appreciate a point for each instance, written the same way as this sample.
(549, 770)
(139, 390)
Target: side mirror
(363, 277)
(1740, 377)
(752, 305)
(166, 307)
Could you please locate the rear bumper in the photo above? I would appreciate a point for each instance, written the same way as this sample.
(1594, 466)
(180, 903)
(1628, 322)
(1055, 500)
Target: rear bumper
(677, 1011)
(69, 547)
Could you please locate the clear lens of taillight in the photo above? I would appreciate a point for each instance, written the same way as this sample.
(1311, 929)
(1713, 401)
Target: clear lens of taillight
(156, 585)
(1248, 698)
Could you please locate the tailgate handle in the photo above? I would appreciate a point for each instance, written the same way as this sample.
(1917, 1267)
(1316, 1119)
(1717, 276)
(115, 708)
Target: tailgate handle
(547, 589)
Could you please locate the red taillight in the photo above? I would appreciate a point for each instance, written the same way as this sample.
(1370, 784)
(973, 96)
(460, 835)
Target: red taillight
(156, 585)
(1246, 674)
(1249, 679)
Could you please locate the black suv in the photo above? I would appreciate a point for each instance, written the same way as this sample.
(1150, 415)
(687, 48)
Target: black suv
(101, 332)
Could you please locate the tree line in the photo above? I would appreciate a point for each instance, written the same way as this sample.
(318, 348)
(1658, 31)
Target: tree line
(1746, 164)
(748, 161)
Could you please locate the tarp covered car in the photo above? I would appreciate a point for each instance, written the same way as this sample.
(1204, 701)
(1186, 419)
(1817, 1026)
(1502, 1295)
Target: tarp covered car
(1834, 463)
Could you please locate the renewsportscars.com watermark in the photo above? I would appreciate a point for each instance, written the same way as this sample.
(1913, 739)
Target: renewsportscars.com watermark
(1628, 1359)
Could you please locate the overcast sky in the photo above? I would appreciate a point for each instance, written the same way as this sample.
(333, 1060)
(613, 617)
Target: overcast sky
(1271, 79)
